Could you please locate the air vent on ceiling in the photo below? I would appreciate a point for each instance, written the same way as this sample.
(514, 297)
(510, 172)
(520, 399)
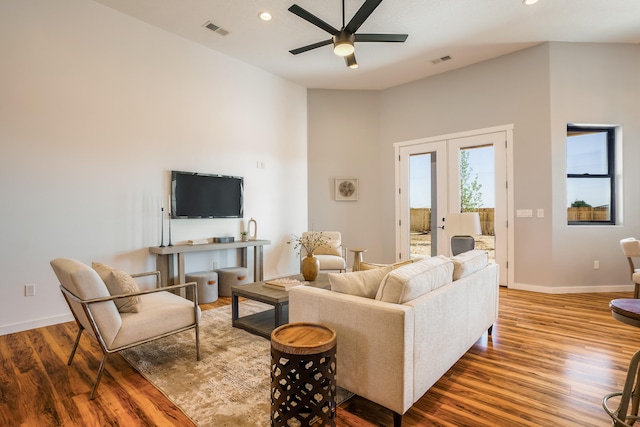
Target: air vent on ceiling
(441, 59)
(213, 27)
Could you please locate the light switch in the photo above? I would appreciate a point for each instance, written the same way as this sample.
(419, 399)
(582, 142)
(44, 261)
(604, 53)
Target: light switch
(524, 213)
(540, 213)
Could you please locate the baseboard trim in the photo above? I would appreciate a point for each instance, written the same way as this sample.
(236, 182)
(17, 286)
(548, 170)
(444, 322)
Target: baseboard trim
(35, 323)
(571, 289)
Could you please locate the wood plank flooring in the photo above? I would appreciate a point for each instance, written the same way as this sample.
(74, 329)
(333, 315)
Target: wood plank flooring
(549, 363)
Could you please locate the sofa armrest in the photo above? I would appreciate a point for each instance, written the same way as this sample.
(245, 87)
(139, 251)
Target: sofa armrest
(375, 342)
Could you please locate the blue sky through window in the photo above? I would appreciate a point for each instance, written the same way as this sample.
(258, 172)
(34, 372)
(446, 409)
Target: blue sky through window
(587, 153)
(481, 162)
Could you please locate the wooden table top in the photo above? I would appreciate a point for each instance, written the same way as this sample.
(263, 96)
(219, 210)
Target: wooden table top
(303, 338)
(626, 310)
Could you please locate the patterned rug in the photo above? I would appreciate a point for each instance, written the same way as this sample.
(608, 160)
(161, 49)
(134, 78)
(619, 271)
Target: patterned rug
(230, 386)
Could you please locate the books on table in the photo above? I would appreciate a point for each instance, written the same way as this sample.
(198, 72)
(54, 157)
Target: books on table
(284, 284)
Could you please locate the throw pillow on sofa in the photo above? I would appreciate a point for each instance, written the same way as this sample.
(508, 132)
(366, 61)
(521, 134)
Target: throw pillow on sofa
(359, 283)
(118, 282)
(469, 262)
(413, 280)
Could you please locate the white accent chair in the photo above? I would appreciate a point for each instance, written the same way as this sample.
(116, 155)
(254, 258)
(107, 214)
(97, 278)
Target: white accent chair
(158, 312)
(631, 249)
(331, 257)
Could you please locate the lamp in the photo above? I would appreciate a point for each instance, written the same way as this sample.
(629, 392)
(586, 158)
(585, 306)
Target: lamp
(351, 61)
(343, 43)
(461, 227)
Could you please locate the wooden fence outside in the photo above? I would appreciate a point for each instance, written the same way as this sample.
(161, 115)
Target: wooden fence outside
(600, 213)
(421, 220)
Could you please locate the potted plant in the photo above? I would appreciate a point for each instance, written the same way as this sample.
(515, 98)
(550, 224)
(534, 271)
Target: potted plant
(244, 235)
(310, 242)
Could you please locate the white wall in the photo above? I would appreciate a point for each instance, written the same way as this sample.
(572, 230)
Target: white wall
(96, 108)
(537, 90)
(595, 84)
(343, 142)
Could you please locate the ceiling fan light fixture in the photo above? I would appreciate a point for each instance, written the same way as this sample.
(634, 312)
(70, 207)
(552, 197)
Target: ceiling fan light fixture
(351, 61)
(343, 43)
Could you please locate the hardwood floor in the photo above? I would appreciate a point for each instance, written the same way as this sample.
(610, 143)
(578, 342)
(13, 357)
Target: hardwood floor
(549, 363)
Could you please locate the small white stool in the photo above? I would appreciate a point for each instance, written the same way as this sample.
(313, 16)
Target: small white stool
(207, 286)
(228, 277)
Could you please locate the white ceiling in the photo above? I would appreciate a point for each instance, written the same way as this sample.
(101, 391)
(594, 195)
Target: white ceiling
(469, 31)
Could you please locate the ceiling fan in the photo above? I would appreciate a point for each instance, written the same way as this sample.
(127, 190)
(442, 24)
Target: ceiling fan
(343, 39)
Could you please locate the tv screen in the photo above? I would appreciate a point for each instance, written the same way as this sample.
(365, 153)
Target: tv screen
(198, 195)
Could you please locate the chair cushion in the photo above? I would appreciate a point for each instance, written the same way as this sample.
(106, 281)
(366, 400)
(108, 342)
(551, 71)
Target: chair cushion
(160, 313)
(413, 280)
(359, 283)
(331, 248)
(85, 283)
(631, 247)
(118, 282)
(331, 262)
(469, 262)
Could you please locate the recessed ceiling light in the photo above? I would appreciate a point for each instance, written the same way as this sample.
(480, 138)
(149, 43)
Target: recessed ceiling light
(529, 2)
(265, 16)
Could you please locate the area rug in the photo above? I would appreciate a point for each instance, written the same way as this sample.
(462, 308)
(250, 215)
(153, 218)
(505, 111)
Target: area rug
(230, 386)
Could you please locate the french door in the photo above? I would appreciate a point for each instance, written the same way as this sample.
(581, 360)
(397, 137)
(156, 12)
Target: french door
(450, 174)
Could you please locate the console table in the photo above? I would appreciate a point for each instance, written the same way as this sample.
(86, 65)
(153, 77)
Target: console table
(165, 257)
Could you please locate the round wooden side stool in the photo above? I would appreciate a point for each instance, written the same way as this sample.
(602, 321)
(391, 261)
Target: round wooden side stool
(303, 375)
(626, 311)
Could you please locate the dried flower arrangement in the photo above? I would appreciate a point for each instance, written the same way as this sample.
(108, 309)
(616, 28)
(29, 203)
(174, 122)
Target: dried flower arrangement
(310, 242)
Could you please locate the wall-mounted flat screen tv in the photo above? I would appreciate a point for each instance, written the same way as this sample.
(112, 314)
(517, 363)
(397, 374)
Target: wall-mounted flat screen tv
(199, 195)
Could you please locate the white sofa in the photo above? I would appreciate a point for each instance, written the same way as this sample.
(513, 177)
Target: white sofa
(399, 330)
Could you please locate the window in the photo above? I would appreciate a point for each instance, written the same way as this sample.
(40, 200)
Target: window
(591, 175)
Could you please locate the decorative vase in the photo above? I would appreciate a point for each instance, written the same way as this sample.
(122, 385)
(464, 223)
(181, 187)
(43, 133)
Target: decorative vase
(253, 231)
(310, 267)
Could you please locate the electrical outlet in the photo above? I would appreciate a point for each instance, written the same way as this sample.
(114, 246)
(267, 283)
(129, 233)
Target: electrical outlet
(596, 265)
(29, 290)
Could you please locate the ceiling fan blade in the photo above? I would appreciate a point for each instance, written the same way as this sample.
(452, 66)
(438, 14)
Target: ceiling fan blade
(309, 17)
(311, 46)
(397, 38)
(361, 15)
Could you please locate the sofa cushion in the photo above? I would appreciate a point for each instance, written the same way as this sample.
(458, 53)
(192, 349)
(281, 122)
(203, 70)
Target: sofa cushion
(413, 280)
(469, 262)
(372, 266)
(359, 283)
(118, 282)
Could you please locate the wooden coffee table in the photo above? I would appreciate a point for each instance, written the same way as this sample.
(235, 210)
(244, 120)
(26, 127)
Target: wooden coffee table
(265, 322)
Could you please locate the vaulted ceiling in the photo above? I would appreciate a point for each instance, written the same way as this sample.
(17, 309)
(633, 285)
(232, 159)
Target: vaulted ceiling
(466, 31)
